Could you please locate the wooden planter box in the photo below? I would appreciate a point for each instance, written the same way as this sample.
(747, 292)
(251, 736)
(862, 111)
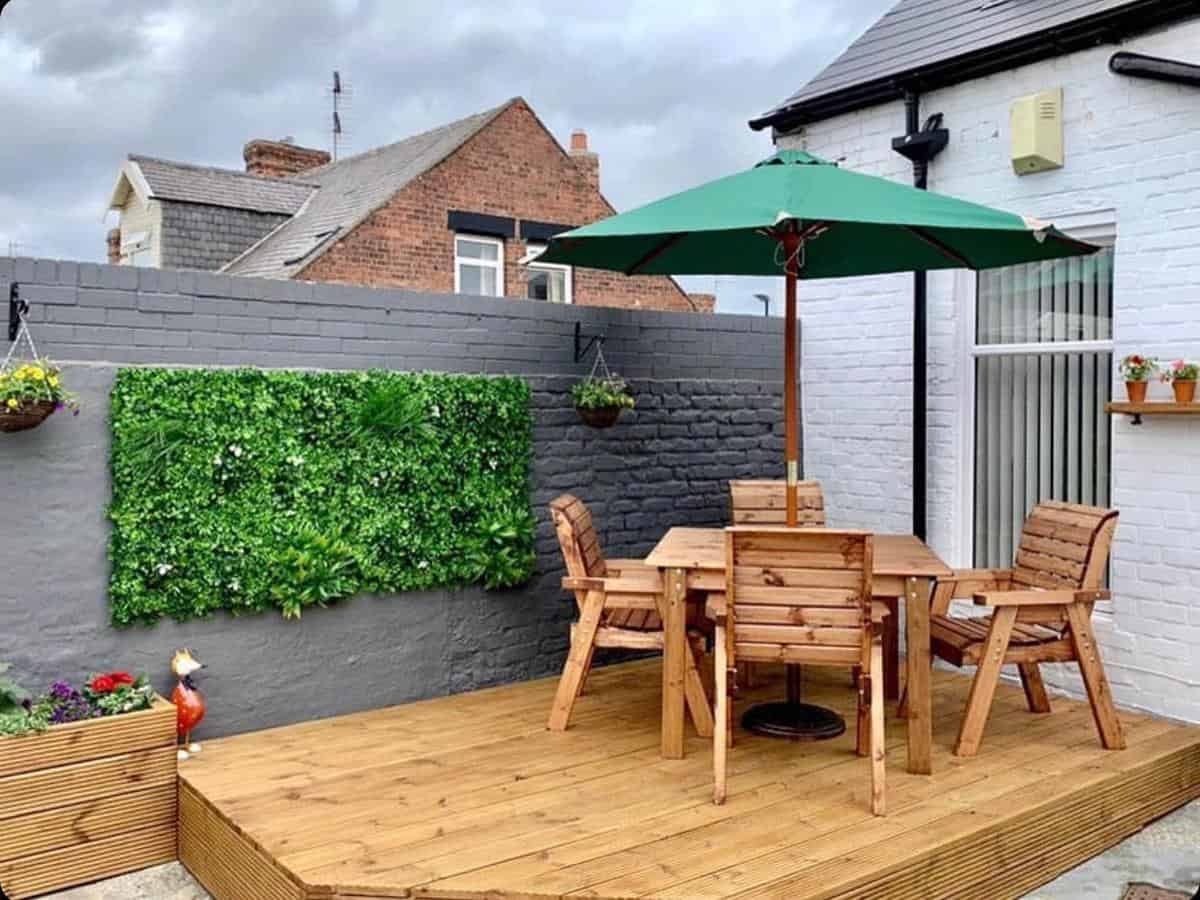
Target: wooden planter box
(86, 801)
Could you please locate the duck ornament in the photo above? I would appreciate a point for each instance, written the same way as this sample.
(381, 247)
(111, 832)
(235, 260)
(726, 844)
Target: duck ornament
(189, 702)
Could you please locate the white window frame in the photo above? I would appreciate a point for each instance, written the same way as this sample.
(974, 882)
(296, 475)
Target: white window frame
(1099, 227)
(497, 264)
(137, 247)
(533, 249)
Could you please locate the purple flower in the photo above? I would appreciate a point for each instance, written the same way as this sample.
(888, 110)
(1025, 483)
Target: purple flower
(61, 689)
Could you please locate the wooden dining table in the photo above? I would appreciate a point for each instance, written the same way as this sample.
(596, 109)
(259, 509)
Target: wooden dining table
(692, 561)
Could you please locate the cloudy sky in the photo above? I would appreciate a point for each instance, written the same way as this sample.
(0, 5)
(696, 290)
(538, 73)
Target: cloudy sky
(664, 93)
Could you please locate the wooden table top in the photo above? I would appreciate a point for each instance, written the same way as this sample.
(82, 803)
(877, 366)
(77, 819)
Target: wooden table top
(704, 548)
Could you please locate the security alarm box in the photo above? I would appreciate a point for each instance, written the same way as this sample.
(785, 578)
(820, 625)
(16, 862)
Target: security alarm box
(1037, 132)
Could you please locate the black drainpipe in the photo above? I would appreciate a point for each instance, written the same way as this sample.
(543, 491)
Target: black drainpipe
(920, 145)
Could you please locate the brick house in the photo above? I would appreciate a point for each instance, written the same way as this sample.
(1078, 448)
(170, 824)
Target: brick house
(1021, 361)
(462, 208)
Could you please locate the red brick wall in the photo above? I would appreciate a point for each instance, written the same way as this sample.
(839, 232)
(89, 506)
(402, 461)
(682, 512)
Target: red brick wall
(514, 168)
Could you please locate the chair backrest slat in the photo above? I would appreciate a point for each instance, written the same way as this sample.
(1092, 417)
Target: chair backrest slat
(798, 595)
(577, 537)
(1064, 545)
(765, 503)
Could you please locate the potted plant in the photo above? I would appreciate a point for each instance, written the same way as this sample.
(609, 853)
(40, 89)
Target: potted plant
(599, 401)
(1182, 376)
(1136, 371)
(30, 392)
(80, 766)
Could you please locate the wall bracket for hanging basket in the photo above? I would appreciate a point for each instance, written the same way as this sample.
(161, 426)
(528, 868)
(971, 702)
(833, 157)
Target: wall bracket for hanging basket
(581, 349)
(16, 309)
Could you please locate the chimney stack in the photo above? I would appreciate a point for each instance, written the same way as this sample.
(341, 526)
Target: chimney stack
(114, 246)
(279, 159)
(587, 161)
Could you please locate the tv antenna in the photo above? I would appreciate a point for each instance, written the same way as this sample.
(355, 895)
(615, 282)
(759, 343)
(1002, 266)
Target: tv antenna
(340, 92)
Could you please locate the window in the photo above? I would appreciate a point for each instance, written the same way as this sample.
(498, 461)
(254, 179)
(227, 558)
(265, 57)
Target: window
(1042, 357)
(545, 281)
(478, 266)
(136, 249)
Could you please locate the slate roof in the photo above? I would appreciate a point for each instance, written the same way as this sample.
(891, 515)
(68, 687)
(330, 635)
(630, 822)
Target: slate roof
(931, 43)
(349, 190)
(187, 183)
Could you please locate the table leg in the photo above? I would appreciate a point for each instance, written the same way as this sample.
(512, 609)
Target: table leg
(920, 700)
(891, 650)
(674, 616)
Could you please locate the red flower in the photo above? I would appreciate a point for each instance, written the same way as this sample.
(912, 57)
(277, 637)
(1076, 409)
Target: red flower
(102, 684)
(1136, 360)
(119, 679)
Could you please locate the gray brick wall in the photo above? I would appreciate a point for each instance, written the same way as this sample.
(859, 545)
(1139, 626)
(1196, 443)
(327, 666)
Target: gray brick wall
(196, 236)
(708, 410)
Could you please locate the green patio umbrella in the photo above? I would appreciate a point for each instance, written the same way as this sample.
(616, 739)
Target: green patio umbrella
(805, 217)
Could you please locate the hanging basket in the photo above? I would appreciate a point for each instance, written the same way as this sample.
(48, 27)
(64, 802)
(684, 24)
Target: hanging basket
(28, 415)
(599, 417)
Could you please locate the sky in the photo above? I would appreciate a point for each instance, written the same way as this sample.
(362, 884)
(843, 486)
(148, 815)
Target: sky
(663, 89)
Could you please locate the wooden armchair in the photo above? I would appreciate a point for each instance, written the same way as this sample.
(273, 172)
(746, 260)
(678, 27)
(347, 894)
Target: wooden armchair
(1043, 611)
(765, 503)
(800, 596)
(620, 605)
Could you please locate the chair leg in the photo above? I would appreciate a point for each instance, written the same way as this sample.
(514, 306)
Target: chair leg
(878, 735)
(862, 736)
(698, 703)
(1094, 679)
(983, 688)
(579, 659)
(1035, 689)
(721, 719)
(891, 650)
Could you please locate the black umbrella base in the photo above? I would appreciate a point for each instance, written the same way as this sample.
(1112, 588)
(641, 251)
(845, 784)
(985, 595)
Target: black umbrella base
(794, 721)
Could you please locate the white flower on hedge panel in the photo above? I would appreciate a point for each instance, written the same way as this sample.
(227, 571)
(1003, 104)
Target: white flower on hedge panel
(217, 460)
(295, 460)
(164, 569)
(236, 451)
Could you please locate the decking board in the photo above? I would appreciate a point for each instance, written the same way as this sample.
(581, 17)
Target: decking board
(471, 797)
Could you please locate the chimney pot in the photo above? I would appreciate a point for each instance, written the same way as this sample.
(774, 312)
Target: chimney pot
(579, 141)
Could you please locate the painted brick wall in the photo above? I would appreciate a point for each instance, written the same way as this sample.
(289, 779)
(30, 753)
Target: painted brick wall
(196, 236)
(1133, 157)
(708, 411)
(515, 168)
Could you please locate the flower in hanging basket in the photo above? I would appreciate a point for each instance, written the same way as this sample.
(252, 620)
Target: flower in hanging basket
(600, 401)
(30, 392)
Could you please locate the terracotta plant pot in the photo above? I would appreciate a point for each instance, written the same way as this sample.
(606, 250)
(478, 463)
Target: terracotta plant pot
(1185, 391)
(1136, 390)
(601, 417)
(28, 416)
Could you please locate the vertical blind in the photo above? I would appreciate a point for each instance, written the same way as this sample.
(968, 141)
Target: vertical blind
(1041, 432)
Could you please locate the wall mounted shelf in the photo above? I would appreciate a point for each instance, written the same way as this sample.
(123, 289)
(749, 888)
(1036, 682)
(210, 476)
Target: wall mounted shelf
(1137, 410)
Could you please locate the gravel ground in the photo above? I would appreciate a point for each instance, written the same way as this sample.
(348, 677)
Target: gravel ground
(1167, 854)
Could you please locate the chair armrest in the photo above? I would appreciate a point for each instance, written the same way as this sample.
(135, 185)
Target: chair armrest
(968, 582)
(879, 611)
(1038, 598)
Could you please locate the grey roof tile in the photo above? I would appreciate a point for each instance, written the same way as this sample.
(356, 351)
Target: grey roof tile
(917, 34)
(347, 192)
(221, 187)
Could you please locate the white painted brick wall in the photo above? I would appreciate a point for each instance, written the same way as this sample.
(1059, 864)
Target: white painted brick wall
(1132, 147)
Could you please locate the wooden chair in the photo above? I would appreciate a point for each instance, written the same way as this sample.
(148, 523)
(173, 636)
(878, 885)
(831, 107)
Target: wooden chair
(620, 605)
(800, 596)
(1043, 611)
(765, 503)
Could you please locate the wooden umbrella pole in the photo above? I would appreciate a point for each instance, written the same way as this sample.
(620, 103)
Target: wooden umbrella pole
(791, 417)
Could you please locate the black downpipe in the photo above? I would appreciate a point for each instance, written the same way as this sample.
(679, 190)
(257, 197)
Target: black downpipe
(912, 115)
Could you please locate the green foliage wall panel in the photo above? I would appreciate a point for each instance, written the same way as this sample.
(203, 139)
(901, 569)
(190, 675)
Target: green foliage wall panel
(247, 490)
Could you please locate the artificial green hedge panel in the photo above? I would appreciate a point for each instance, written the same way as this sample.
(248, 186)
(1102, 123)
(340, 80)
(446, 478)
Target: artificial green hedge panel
(247, 490)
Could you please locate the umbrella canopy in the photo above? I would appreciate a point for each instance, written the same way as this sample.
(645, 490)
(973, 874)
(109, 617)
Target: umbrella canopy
(804, 217)
(853, 224)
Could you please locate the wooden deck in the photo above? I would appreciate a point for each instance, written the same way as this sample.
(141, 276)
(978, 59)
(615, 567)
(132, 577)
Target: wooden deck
(470, 797)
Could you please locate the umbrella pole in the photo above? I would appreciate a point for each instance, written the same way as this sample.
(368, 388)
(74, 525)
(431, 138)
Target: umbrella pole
(791, 423)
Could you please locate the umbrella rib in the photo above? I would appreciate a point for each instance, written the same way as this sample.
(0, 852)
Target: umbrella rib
(666, 245)
(940, 247)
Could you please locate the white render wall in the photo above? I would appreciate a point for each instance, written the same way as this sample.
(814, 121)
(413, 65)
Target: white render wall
(1133, 161)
